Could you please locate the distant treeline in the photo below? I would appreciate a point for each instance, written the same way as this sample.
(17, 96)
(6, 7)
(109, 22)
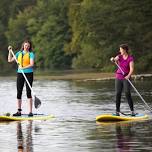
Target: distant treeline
(77, 34)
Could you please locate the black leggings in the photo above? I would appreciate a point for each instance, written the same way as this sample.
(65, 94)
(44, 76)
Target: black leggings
(20, 84)
(119, 86)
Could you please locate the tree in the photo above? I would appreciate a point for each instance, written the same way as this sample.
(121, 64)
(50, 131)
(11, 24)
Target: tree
(50, 32)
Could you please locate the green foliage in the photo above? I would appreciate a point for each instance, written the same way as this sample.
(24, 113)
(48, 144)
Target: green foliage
(88, 59)
(78, 33)
(105, 25)
(50, 34)
(143, 63)
(17, 29)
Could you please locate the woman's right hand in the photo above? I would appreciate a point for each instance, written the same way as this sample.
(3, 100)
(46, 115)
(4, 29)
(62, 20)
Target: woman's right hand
(9, 47)
(112, 59)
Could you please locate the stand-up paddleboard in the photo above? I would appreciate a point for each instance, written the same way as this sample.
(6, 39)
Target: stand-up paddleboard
(113, 118)
(25, 117)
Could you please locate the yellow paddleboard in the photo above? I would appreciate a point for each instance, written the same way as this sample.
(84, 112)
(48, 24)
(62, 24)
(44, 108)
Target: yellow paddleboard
(112, 118)
(25, 117)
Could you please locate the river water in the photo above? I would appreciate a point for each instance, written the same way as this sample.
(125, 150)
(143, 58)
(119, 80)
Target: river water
(75, 104)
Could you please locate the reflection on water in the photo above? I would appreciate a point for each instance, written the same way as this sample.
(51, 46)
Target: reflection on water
(75, 106)
(24, 143)
(125, 136)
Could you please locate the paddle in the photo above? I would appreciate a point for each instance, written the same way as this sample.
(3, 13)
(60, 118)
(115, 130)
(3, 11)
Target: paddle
(148, 107)
(37, 102)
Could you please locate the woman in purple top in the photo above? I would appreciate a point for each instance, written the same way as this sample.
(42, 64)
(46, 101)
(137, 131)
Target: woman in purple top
(126, 62)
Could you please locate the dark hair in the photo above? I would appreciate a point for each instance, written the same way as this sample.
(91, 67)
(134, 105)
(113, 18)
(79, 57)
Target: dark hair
(27, 41)
(125, 47)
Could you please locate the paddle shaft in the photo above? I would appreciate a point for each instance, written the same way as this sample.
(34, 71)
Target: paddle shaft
(22, 72)
(134, 88)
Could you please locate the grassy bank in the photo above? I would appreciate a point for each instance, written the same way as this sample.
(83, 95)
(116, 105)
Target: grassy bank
(77, 76)
(64, 75)
(73, 75)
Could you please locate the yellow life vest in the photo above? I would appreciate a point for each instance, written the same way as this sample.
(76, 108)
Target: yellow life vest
(24, 60)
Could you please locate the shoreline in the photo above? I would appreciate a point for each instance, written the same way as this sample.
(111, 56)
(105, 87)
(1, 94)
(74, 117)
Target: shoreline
(78, 76)
(86, 76)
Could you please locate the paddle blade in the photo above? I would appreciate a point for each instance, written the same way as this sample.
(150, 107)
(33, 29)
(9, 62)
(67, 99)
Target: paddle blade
(37, 102)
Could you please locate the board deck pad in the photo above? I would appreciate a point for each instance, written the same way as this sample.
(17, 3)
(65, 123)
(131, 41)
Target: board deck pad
(112, 117)
(25, 117)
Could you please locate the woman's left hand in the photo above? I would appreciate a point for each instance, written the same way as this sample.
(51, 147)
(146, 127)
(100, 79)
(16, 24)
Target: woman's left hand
(20, 67)
(127, 77)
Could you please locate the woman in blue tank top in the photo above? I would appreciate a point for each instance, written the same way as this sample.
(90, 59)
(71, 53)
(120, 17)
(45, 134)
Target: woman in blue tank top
(25, 58)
